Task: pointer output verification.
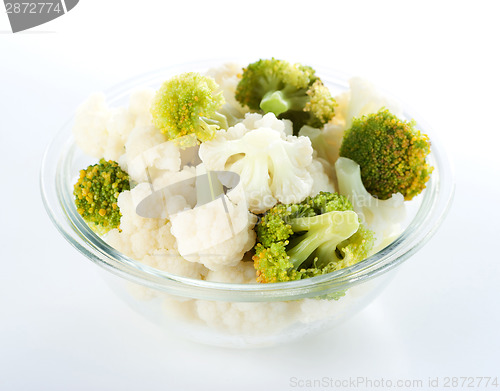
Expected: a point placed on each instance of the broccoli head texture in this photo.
(317, 236)
(391, 154)
(187, 105)
(290, 91)
(96, 195)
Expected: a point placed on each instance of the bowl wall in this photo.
(244, 324)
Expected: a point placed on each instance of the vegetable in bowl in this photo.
(317, 236)
(146, 244)
(391, 154)
(96, 195)
(187, 104)
(291, 91)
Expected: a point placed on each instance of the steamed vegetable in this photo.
(218, 231)
(384, 217)
(290, 91)
(391, 154)
(96, 195)
(317, 236)
(285, 176)
(187, 104)
(273, 166)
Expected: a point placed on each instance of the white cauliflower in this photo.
(241, 273)
(362, 98)
(90, 128)
(148, 239)
(255, 121)
(149, 154)
(260, 322)
(321, 180)
(139, 106)
(186, 310)
(247, 318)
(139, 235)
(272, 165)
(216, 233)
(384, 217)
(102, 132)
(226, 76)
(172, 262)
(326, 144)
(169, 193)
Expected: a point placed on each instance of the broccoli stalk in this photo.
(186, 106)
(322, 234)
(280, 101)
(289, 91)
(96, 195)
(317, 236)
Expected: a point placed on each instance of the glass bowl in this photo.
(227, 314)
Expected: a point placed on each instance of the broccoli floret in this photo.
(391, 154)
(317, 236)
(96, 195)
(290, 91)
(186, 105)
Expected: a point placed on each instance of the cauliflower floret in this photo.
(384, 217)
(177, 308)
(170, 261)
(314, 310)
(241, 273)
(118, 126)
(255, 121)
(187, 309)
(329, 140)
(321, 180)
(247, 318)
(217, 233)
(272, 165)
(139, 235)
(163, 256)
(149, 239)
(90, 129)
(149, 154)
(171, 193)
(167, 194)
(362, 98)
(102, 132)
(226, 76)
(140, 102)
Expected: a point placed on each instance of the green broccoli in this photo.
(391, 154)
(317, 236)
(96, 195)
(187, 104)
(290, 91)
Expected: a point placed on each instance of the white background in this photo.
(60, 326)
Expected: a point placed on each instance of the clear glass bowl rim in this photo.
(435, 204)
